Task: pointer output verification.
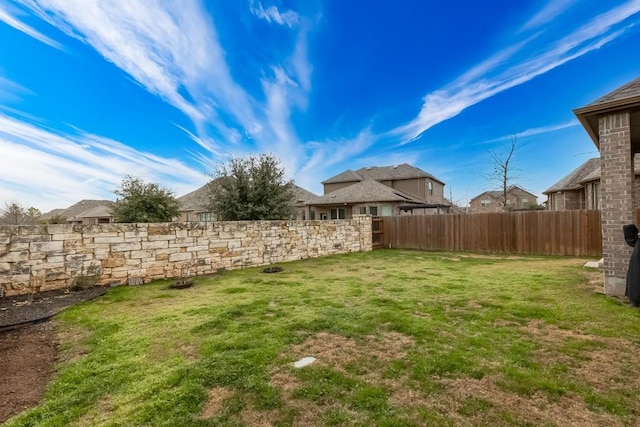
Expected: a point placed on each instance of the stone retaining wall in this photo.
(55, 256)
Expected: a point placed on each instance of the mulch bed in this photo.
(29, 347)
(15, 311)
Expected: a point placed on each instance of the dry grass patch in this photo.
(337, 351)
(215, 401)
(464, 400)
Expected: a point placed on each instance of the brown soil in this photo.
(29, 346)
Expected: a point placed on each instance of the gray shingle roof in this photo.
(381, 173)
(497, 194)
(628, 91)
(302, 196)
(626, 97)
(198, 200)
(573, 180)
(368, 190)
(75, 210)
(102, 211)
(346, 176)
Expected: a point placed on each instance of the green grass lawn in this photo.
(401, 338)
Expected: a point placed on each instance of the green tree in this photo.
(143, 202)
(12, 214)
(32, 215)
(251, 188)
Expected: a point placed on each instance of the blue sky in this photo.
(92, 90)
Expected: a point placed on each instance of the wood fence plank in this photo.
(576, 233)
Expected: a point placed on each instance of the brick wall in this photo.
(53, 256)
(617, 183)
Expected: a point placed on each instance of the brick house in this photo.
(379, 191)
(491, 201)
(580, 189)
(613, 123)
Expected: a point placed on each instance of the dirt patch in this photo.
(29, 346)
(28, 355)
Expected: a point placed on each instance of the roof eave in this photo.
(588, 115)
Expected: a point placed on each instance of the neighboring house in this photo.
(379, 191)
(301, 198)
(492, 201)
(84, 212)
(580, 189)
(196, 206)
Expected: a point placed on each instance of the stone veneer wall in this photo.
(54, 256)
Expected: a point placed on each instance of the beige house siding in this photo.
(420, 188)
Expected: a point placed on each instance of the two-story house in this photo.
(492, 201)
(379, 191)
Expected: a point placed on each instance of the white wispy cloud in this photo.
(62, 168)
(498, 74)
(9, 15)
(549, 12)
(272, 14)
(327, 153)
(169, 48)
(536, 131)
(173, 48)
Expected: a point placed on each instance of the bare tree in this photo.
(12, 214)
(502, 169)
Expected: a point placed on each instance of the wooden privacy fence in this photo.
(576, 233)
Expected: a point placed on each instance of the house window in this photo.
(484, 203)
(430, 187)
(338, 213)
(385, 211)
(525, 202)
(363, 210)
(206, 217)
(312, 214)
(373, 210)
